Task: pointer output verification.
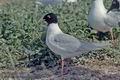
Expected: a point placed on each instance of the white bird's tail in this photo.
(94, 46)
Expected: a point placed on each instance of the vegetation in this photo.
(22, 32)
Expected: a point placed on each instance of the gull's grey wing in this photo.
(88, 46)
(112, 19)
(71, 44)
(66, 42)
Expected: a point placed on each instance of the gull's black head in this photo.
(114, 6)
(50, 18)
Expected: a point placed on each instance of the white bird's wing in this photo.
(71, 44)
(113, 19)
(66, 42)
(88, 46)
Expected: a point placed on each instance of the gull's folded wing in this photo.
(66, 42)
(71, 44)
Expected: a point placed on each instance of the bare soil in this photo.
(90, 71)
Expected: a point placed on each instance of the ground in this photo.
(3, 1)
(90, 71)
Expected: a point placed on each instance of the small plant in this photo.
(22, 30)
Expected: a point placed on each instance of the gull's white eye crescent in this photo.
(48, 16)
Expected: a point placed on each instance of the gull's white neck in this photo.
(53, 29)
(99, 7)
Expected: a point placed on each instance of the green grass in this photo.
(22, 29)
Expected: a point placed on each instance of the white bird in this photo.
(104, 20)
(70, 1)
(63, 44)
(50, 2)
(53, 2)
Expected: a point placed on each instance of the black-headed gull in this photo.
(104, 20)
(53, 2)
(66, 45)
(49, 2)
(70, 0)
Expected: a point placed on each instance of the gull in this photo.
(69, 1)
(104, 20)
(49, 2)
(53, 2)
(66, 45)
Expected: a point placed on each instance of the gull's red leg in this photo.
(62, 69)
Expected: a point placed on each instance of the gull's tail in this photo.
(102, 45)
(88, 46)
